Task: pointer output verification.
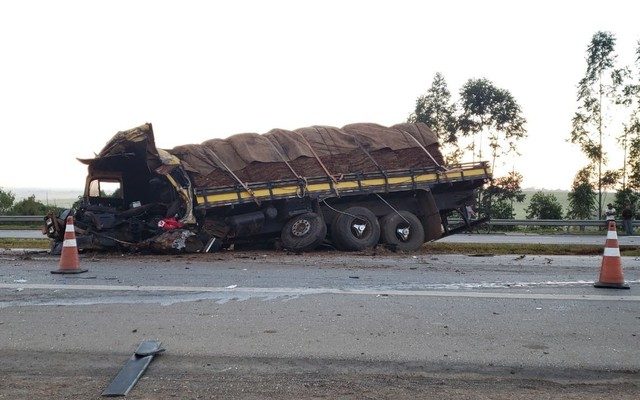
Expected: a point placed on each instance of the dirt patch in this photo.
(75, 375)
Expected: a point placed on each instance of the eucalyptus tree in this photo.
(630, 139)
(597, 90)
(487, 110)
(436, 109)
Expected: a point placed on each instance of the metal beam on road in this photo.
(323, 291)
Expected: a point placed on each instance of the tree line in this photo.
(28, 206)
(487, 117)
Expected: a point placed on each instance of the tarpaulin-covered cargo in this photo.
(309, 152)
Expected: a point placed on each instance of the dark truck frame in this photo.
(400, 208)
(428, 195)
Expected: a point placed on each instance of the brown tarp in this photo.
(354, 148)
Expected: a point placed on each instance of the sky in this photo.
(73, 73)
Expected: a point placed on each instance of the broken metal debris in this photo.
(133, 369)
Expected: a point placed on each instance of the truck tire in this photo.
(355, 229)
(400, 234)
(303, 232)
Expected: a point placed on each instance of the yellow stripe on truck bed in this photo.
(344, 185)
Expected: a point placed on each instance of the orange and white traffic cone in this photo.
(69, 259)
(611, 269)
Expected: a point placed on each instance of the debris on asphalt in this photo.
(80, 277)
(520, 257)
(133, 369)
(20, 281)
(354, 277)
(231, 287)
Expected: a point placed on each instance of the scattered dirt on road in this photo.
(53, 375)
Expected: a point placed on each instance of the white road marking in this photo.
(333, 291)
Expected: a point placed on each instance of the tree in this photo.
(624, 197)
(492, 111)
(595, 90)
(582, 198)
(436, 109)
(630, 139)
(29, 206)
(6, 200)
(544, 206)
(498, 198)
(633, 181)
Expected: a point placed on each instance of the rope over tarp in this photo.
(309, 152)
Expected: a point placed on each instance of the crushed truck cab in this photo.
(354, 187)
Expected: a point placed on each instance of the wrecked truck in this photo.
(352, 187)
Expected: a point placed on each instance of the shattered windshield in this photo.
(105, 188)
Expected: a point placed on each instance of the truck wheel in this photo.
(355, 229)
(303, 232)
(400, 234)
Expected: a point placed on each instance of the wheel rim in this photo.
(360, 228)
(403, 232)
(301, 227)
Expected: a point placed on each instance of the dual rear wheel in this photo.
(402, 231)
(357, 228)
(354, 229)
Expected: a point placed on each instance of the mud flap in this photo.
(431, 221)
(133, 369)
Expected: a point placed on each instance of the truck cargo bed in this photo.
(349, 184)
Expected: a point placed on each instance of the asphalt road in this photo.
(21, 234)
(515, 238)
(267, 324)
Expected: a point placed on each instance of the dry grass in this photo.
(533, 249)
(24, 243)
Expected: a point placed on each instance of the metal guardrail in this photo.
(550, 222)
(21, 218)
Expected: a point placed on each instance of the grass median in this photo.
(9, 243)
(530, 249)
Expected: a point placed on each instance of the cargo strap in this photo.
(382, 171)
(393, 208)
(335, 189)
(425, 150)
(301, 179)
(244, 185)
